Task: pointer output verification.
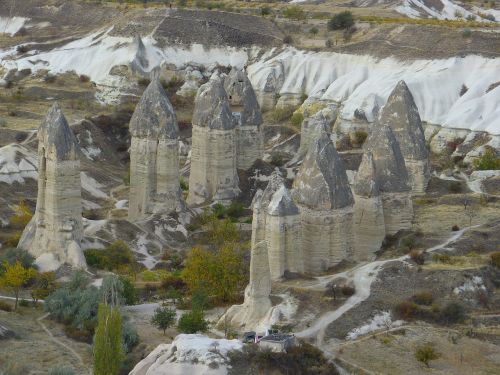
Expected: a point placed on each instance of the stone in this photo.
(213, 173)
(247, 115)
(401, 114)
(392, 178)
(311, 129)
(325, 201)
(56, 229)
(154, 156)
(368, 220)
(283, 232)
(257, 302)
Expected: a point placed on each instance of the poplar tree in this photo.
(108, 348)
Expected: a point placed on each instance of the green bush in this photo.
(495, 259)
(342, 20)
(313, 30)
(453, 313)
(192, 322)
(163, 318)
(295, 13)
(265, 11)
(359, 137)
(467, 33)
(406, 310)
(181, 3)
(111, 258)
(488, 161)
(13, 255)
(282, 114)
(297, 119)
(423, 298)
(426, 353)
(129, 291)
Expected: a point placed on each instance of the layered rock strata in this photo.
(369, 224)
(392, 179)
(154, 156)
(55, 232)
(248, 118)
(213, 173)
(401, 114)
(325, 201)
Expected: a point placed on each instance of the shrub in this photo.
(359, 137)
(417, 256)
(143, 81)
(453, 313)
(163, 318)
(83, 78)
(348, 290)
(265, 11)
(294, 12)
(297, 119)
(288, 39)
(111, 258)
(22, 49)
(313, 30)
(129, 291)
(184, 184)
(342, 20)
(406, 310)
(328, 43)
(3, 122)
(488, 161)
(61, 370)
(13, 240)
(282, 114)
(192, 322)
(5, 306)
(455, 187)
(495, 259)
(22, 216)
(425, 354)
(466, 33)
(181, 3)
(13, 255)
(423, 298)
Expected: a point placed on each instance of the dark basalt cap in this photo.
(401, 114)
(321, 182)
(55, 134)
(365, 183)
(390, 167)
(211, 107)
(154, 116)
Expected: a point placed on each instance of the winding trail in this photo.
(362, 277)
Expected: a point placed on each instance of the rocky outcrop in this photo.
(55, 232)
(311, 129)
(392, 179)
(283, 235)
(213, 173)
(154, 156)
(247, 115)
(257, 302)
(369, 225)
(401, 114)
(325, 201)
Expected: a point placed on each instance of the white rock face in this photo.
(188, 354)
(56, 230)
(311, 129)
(154, 156)
(17, 164)
(213, 173)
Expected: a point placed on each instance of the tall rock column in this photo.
(214, 147)
(54, 234)
(369, 225)
(248, 117)
(154, 156)
(401, 114)
(392, 179)
(283, 235)
(325, 201)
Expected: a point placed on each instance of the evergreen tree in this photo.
(108, 346)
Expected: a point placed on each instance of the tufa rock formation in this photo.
(154, 156)
(55, 232)
(311, 129)
(248, 118)
(369, 225)
(283, 235)
(392, 179)
(214, 150)
(325, 201)
(400, 113)
(257, 302)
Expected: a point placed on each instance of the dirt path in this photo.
(60, 343)
(362, 277)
